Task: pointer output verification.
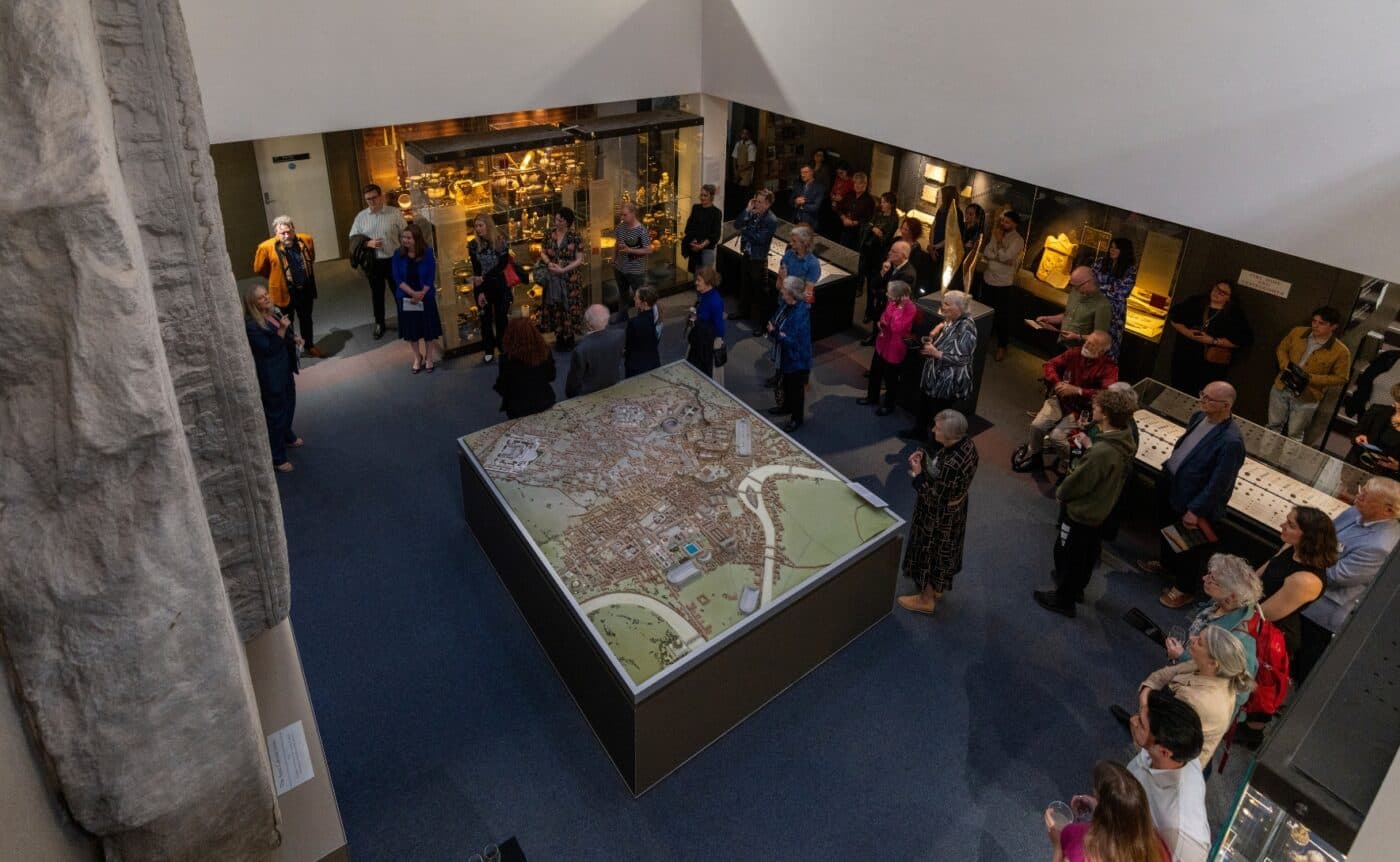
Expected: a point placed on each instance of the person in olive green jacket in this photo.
(1087, 497)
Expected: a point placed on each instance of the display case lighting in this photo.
(935, 173)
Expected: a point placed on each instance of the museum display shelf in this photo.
(833, 308)
(521, 177)
(681, 560)
(1278, 473)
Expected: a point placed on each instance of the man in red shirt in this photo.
(1072, 379)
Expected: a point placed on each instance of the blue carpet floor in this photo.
(446, 727)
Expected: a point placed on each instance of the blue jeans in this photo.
(1288, 414)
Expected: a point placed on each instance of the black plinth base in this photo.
(650, 735)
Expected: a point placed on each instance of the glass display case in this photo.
(1065, 232)
(653, 161)
(521, 177)
(1261, 831)
(1278, 474)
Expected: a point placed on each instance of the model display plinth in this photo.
(681, 560)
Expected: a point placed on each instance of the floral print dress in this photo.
(563, 294)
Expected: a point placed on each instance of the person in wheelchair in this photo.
(1071, 380)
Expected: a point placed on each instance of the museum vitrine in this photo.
(1278, 474)
(521, 177)
(1065, 231)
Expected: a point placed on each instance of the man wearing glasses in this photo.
(1194, 487)
(1086, 309)
(380, 226)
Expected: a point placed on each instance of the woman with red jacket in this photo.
(894, 327)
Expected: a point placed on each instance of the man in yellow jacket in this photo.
(1324, 362)
(287, 261)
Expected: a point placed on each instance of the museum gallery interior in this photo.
(735, 429)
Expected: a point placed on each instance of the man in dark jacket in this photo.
(1195, 486)
(1087, 497)
(597, 358)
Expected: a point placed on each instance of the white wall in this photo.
(1277, 123)
(269, 67)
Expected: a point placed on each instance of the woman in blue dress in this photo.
(275, 358)
(415, 272)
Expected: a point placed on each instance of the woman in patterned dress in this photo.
(1116, 276)
(939, 522)
(563, 294)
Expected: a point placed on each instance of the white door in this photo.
(295, 182)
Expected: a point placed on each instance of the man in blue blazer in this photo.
(1195, 486)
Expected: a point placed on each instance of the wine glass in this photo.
(1177, 633)
(491, 853)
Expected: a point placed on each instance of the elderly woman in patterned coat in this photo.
(939, 523)
(947, 374)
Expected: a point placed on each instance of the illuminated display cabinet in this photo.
(521, 177)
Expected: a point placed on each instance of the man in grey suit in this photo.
(597, 358)
(1367, 533)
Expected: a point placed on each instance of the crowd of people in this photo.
(1259, 628)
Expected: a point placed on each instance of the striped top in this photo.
(632, 237)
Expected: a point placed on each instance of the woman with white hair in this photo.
(939, 523)
(799, 261)
(1213, 682)
(791, 329)
(947, 374)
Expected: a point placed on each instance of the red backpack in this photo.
(1271, 678)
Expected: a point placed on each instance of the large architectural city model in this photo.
(671, 512)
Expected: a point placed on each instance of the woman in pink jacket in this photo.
(895, 325)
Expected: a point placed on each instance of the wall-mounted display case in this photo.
(1065, 231)
(522, 177)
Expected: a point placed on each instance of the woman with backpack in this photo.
(1292, 579)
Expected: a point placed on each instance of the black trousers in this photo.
(1076, 552)
(1310, 648)
(495, 315)
(882, 372)
(626, 286)
(875, 297)
(379, 276)
(1002, 299)
(753, 290)
(299, 312)
(1184, 569)
(795, 393)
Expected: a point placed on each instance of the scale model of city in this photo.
(671, 512)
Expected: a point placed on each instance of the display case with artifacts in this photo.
(652, 160)
(832, 308)
(521, 177)
(518, 178)
(1065, 232)
(1279, 473)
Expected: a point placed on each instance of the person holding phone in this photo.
(275, 359)
(1376, 446)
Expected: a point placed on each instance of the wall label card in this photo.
(1264, 284)
(290, 758)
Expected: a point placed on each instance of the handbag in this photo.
(721, 356)
(512, 273)
(1217, 355)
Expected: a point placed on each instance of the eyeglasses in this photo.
(1078, 283)
(1204, 397)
